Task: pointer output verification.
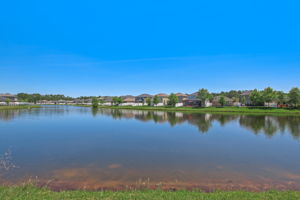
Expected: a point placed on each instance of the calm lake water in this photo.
(77, 147)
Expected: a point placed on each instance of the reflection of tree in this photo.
(174, 119)
(254, 123)
(94, 111)
(7, 115)
(224, 119)
(269, 125)
(201, 121)
(116, 114)
(293, 125)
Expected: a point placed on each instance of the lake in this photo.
(67, 147)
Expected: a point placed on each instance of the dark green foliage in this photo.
(222, 101)
(156, 100)
(37, 97)
(173, 99)
(149, 101)
(7, 101)
(281, 97)
(256, 98)
(203, 96)
(117, 100)
(268, 95)
(294, 96)
(95, 102)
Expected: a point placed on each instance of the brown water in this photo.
(68, 147)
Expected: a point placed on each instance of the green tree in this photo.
(115, 100)
(256, 98)
(203, 96)
(95, 102)
(156, 100)
(244, 100)
(101, 101)
(269, 95)
(281, 97)
(7, 100)
(222, 101)
(149, 101)
(173, 100)
(294, 96)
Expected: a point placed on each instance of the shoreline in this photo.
(221, 110)
(18, 107)
(29, 192)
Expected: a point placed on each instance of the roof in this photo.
(162, 95)
(129, 99)
(107, 98)
(193, 94)
(127, 96)
(7, 95)
(145, 95)
(246, 93)
(180, 94)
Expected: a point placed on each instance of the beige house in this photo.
(216, 101)
(7, 96)
(164, 98)
(128, 99)
(181, 97)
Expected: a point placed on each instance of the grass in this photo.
(18, 107)
(238, 110)
(29, 192)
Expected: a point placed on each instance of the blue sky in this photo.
(131, 47)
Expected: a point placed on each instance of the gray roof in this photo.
(145, 95)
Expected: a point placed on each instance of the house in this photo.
(142, 98)
(181, 97)
(216, 101)
(164, 99)
(246, 96)
(128, 99)
(107, 100)
(192, 100)
(7, 96)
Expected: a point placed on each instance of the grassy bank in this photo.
(18, 107)
(34, 193)
(238, 110)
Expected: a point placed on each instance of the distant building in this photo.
(128, 99)
(246, 95)
(216, 101)
(164, 98)
(142, 98)
(7, 96)
(192, 100)
(181, 97)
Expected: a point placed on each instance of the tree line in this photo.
(34, 98)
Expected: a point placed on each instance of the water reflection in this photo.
(47, 111)
(268, 125)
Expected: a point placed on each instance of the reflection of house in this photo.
(163, 98)
(142, 98)
(181, 97)
(246, 96)
(10, 97)
(216, 101)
